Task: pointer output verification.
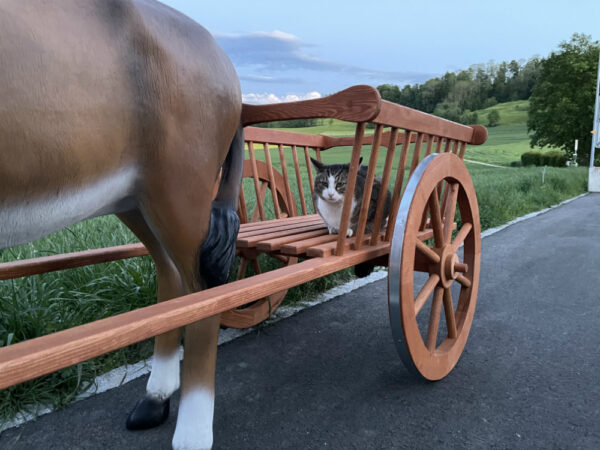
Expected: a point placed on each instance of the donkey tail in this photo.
(218, 249)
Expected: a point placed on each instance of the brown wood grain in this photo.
(34, 266)
(30, 359)
(356, 104)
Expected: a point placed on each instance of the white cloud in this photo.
(261, 99)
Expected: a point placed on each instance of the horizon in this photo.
(285, 53)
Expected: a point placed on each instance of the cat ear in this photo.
(317, 164)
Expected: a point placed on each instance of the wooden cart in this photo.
(430, 241)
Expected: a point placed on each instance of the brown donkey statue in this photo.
(127, 107)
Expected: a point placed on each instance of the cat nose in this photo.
(330, 195)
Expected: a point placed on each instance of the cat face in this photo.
(331, 181)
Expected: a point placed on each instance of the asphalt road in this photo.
(330, 377)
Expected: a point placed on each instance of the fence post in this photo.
(594, 172)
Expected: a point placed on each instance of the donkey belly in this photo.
(32, 219)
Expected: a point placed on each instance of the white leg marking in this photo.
(195, 421)
(164, 378)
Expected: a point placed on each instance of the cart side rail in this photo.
(397, 128)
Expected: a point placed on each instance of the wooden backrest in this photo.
(396, 129)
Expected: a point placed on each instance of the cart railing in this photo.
(394, 126)
(359, 104)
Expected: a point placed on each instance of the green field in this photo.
(38, 305)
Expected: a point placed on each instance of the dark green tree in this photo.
(561, 105)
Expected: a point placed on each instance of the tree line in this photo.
(455, 96)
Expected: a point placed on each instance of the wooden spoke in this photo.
(460, 237)
(460, 267)
(464, 281)
(450, 209)
(436, 219)
(426, 251)
(434, 319)
(449, 312)
(425, 292)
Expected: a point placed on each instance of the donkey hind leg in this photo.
(153, 409)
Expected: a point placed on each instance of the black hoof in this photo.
(363, 269)
(148, 413)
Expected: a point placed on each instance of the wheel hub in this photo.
(446, 268)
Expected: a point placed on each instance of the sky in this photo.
(284, 51)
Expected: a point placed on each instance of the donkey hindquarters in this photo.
(125, 107)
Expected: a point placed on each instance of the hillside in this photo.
(511, 113)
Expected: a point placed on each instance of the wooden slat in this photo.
(416, 153)
(34, 266)
(387, 170)
(272, 245)
(253, 226)
(271, 180)
(440, 143)
(288, 191)
(348, 197)
(463, 147)
(328, 248)
(284, 226)
(429, 145)
(398, 186)
(259, 204)
(311, 181)
(299, 247)
(256, 214)
(251, 241)
(355, 104)
(242, 207)
(368, 187)
(30, 359)
(299, 179)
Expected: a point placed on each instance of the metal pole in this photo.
(596, 128)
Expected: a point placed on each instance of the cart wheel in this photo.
(434, 256)
(249, 315)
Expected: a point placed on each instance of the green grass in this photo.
(511, 113)
(38, 305)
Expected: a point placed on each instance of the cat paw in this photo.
(349, 233)
(332, 230)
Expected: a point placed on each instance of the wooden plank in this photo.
(34, 266)
(352, 172)
(355, 104)
(311, 181)
(259, 203)
(251, 241)
(328, 248)
(251, 226)
(299, 179)
(387, 170)
(400, 116)
(272, 245)
(368, 187)
(271, 180)
(288, 191)
(396, 197)
(30, 359)
(299, 247)
(282, 227)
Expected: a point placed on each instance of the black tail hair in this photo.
(217, 252)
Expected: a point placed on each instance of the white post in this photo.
(594, 172)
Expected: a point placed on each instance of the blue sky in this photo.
(291, 50)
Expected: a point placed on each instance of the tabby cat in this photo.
(329, 192)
